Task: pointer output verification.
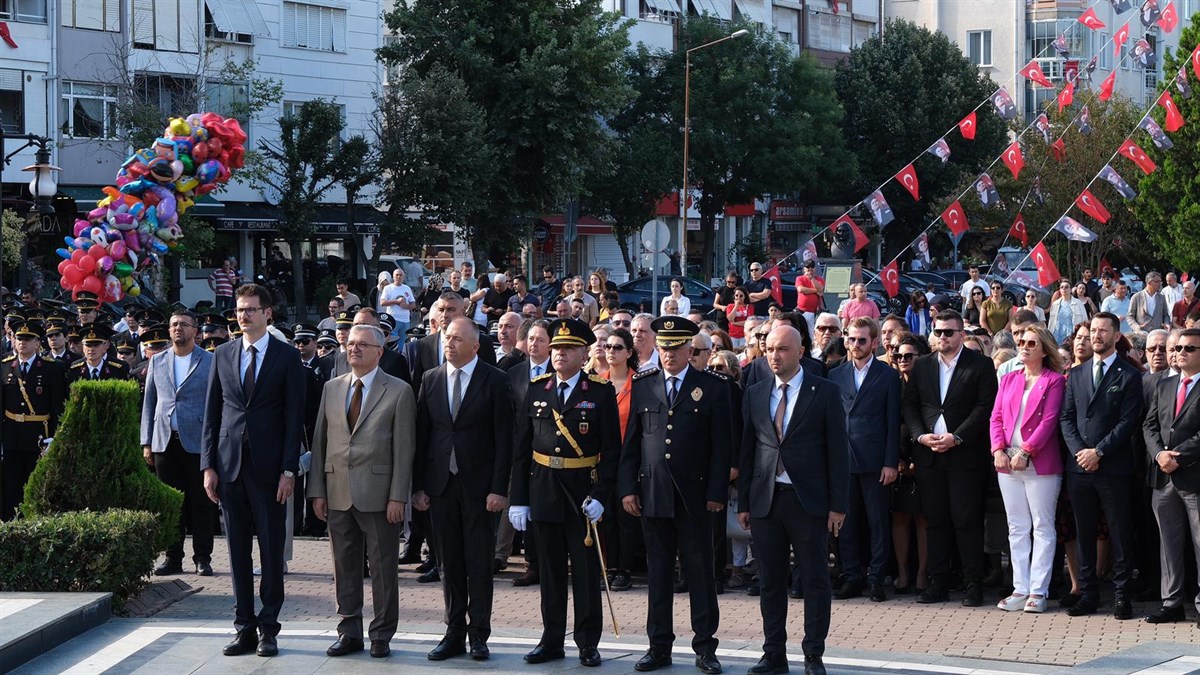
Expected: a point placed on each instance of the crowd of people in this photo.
(823, 455)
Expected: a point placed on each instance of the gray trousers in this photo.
(1178, 516)
(348, 531)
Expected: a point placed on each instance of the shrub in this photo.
(95, 462)
(82, 551)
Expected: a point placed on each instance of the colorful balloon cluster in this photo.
(138, 220)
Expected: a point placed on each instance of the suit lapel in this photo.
(804, 398)
(341, 386)
(378, 387)
(473, 386)
(660, 387)
(1035, 398)
(170, 364)
(868, 381)
(1104, 381)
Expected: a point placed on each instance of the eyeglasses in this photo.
(620, 324)
(1156, 349)
(302, 342)
(856, 341)
(361, 345)
(944, 332)
(905, 356)
(976, 292)
(699, 350)
(755, 269)
(891, 348)
(247, 311)
(1186, 348)
(614, 348)
(997, 288)
(182, 324)
(828, 329)
(1028, 344)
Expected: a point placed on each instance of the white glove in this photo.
(305, 462)
(519, 517)
(592, 509)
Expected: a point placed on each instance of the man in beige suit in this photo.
(363, 450)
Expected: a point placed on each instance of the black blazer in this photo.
(272, 421)
(1166, 431)
(872, 416)
(1105, 418)
(968, 409)
(422, 355)
(759, 370)
(682, 448)
(481, 433)
(517, 356)
(1155, 478)
(815, 450)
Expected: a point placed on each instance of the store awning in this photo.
(330, 218)
(756, 11)
(237, 16)
(664, 6)
(586, 224)
(722, 9)
(86, 197)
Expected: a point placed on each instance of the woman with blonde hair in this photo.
(597, 284)
(597, 363)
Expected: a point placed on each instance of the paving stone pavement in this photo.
(898, 627)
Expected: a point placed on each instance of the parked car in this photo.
(940, 283)
(637, 294)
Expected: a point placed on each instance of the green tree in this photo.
(898, 90)
(544, 77)
(12, 236)
(300, 168)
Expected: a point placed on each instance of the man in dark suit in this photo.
(250, 454)
(465, 430)
(871, 399)
(35, 392)
(565, 463)
(760, 370)
(428, 352)
(947, 406)
(1101, 412)
(792, 488)
(1172, 428)
(674, 472)
(507, 354)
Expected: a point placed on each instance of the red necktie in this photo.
(1182, 395)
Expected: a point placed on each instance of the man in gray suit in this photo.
(1149, 309)
(362, 461)
(172, 424)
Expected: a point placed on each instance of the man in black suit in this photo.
(947, 406)
(674, 472)
(1101, 412)
(871, 399)
(465, 427)
(1172, 428)
(250, 454)
(760, 370)
(428, 352)
(507, 354)
(792, 488)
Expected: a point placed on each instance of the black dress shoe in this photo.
(754, 588)
(589, 657)
(168, 568)
(380, 649)
(770, 664)
(267, 646)
(344, 646)
(621, 582)
(876, 593)
(850, 589)
(530, 578)
(1122, 609)
(903, 590)
(796, 592)
(972, 596)
(681, 586)
(410, 557)
(1084, 606)
(244, 643)
(1069, 600)
(203, 569)
(541, 654)
(813, 665)
(479, 650)
(499, 566)
(933, 594)
(430, 576)
(653, 660)
(1165, 615)
(448, 647)
(426, 566)
(708, 663)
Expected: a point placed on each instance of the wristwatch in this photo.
(957, 439)
(289, 474)
(1099, 452)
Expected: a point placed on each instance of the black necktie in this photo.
(24, 369)
(248, 380)
(672, 391)
(562, 395)
(95, 373)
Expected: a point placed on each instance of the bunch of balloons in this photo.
(138, 219)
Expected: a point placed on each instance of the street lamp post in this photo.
(42, 187)
(687, 125)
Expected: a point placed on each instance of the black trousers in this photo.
(16, 468)
(691, 535)
(1092, 495)
(786, 527)
(622, 537)
(556, 543)
(868, 513)
(466, 544)
(251, 509)
(953, 501)
(181, 470)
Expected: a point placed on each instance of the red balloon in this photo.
(77, 255)
(91, 284)
(64, 283)
(62, 266)
(97, 251)
(87, 264)
(73, 275)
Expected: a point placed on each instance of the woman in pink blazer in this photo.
(1025, 452)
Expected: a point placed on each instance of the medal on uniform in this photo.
(583, 428)
(697, 393)
(39, 391)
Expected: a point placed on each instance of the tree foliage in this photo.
(543, 78)
(12, 236)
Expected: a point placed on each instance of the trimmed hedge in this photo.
(95, 462)
(110, 552)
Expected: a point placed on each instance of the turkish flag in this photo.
(955, 218)
(1047, 270)
(6, 35)
(1092, 206)
(1059, 150)
(891, 279)
(776, 284)
(1090, 19)
(1169, 19)
(1106, 266)
(908, 178)
(1106, 87)
(1067, 96)
(1119, 40)
(967, 126)
(1132, 151)
(1196, 60)
(1183, 278)
(1174, 118)
(1014, 160)
(1018, 230)
(1033, 72)
(860, 238)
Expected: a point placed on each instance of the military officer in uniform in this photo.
(34, 394)
(154, 340)
(674, 471)
(95, 364)
(88, 304)
(56, 344)
(565, 462)
(128, 348)
(210, 344)
(213, 325)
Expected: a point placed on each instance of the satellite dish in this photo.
(656, 236)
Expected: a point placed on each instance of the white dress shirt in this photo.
(945, 373)
(570, 385)
(466, 372)
(678, 382)
(794, 385)
(261, 346)
(367, 381)
(536, 369)
(860, 374)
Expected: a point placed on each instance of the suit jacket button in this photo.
(667, 456)
(669, 427)
(558, 433)
(670, 413)
(558, 449)
(668, 441)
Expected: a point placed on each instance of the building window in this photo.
(212, 32)
(1125, 57)
(26, 11)
(88, 110)
(1104, 62)
(979, 47)
(313, 27)
(292, 108)
(228, 99)
(166, 26)
(391, 71)
(168, 93)
(92, 15)
(12, 102)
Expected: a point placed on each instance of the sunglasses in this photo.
(997, 288)
(1186, 348)
(944, 332)
(614, 348)
(905, 356)
(976, 292)
(1156, 349)
(302, 342)
(760, 336)
(856, 341)
(828, 329)
(718, 367)
(755, 269)
(1028, 344)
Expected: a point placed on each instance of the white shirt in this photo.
(466, 372)
(794, 385)
(570, 385)
(861, 374)
(678, 382)
(183, 364)
(367, 381)
(685, 305)
(1172, 295)
(965, 291)
(394, 292)
(536, 369)
(1152, 303)
(651, 362)
(261, 346)
(945, 372)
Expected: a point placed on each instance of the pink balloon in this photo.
(87, 264)
(97, 252)
(77, 255)
(91, 284)
(82, 226)
(117, 249)
(105, 265)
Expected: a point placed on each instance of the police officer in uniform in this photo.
(95, 364)
(34, 394)
(155, 339)
(674, 471)
(565, 462)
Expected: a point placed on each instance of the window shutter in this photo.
(166, 13)
(339, 30)
(89, 14)
(112, 16)
(143, 22)
(287, 24)
(10, 80)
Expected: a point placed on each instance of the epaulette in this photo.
(79, 364)
(645, 373)
(597, 379)
(119, 365)
(8, 358)
(720, 376)
(543, 376)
